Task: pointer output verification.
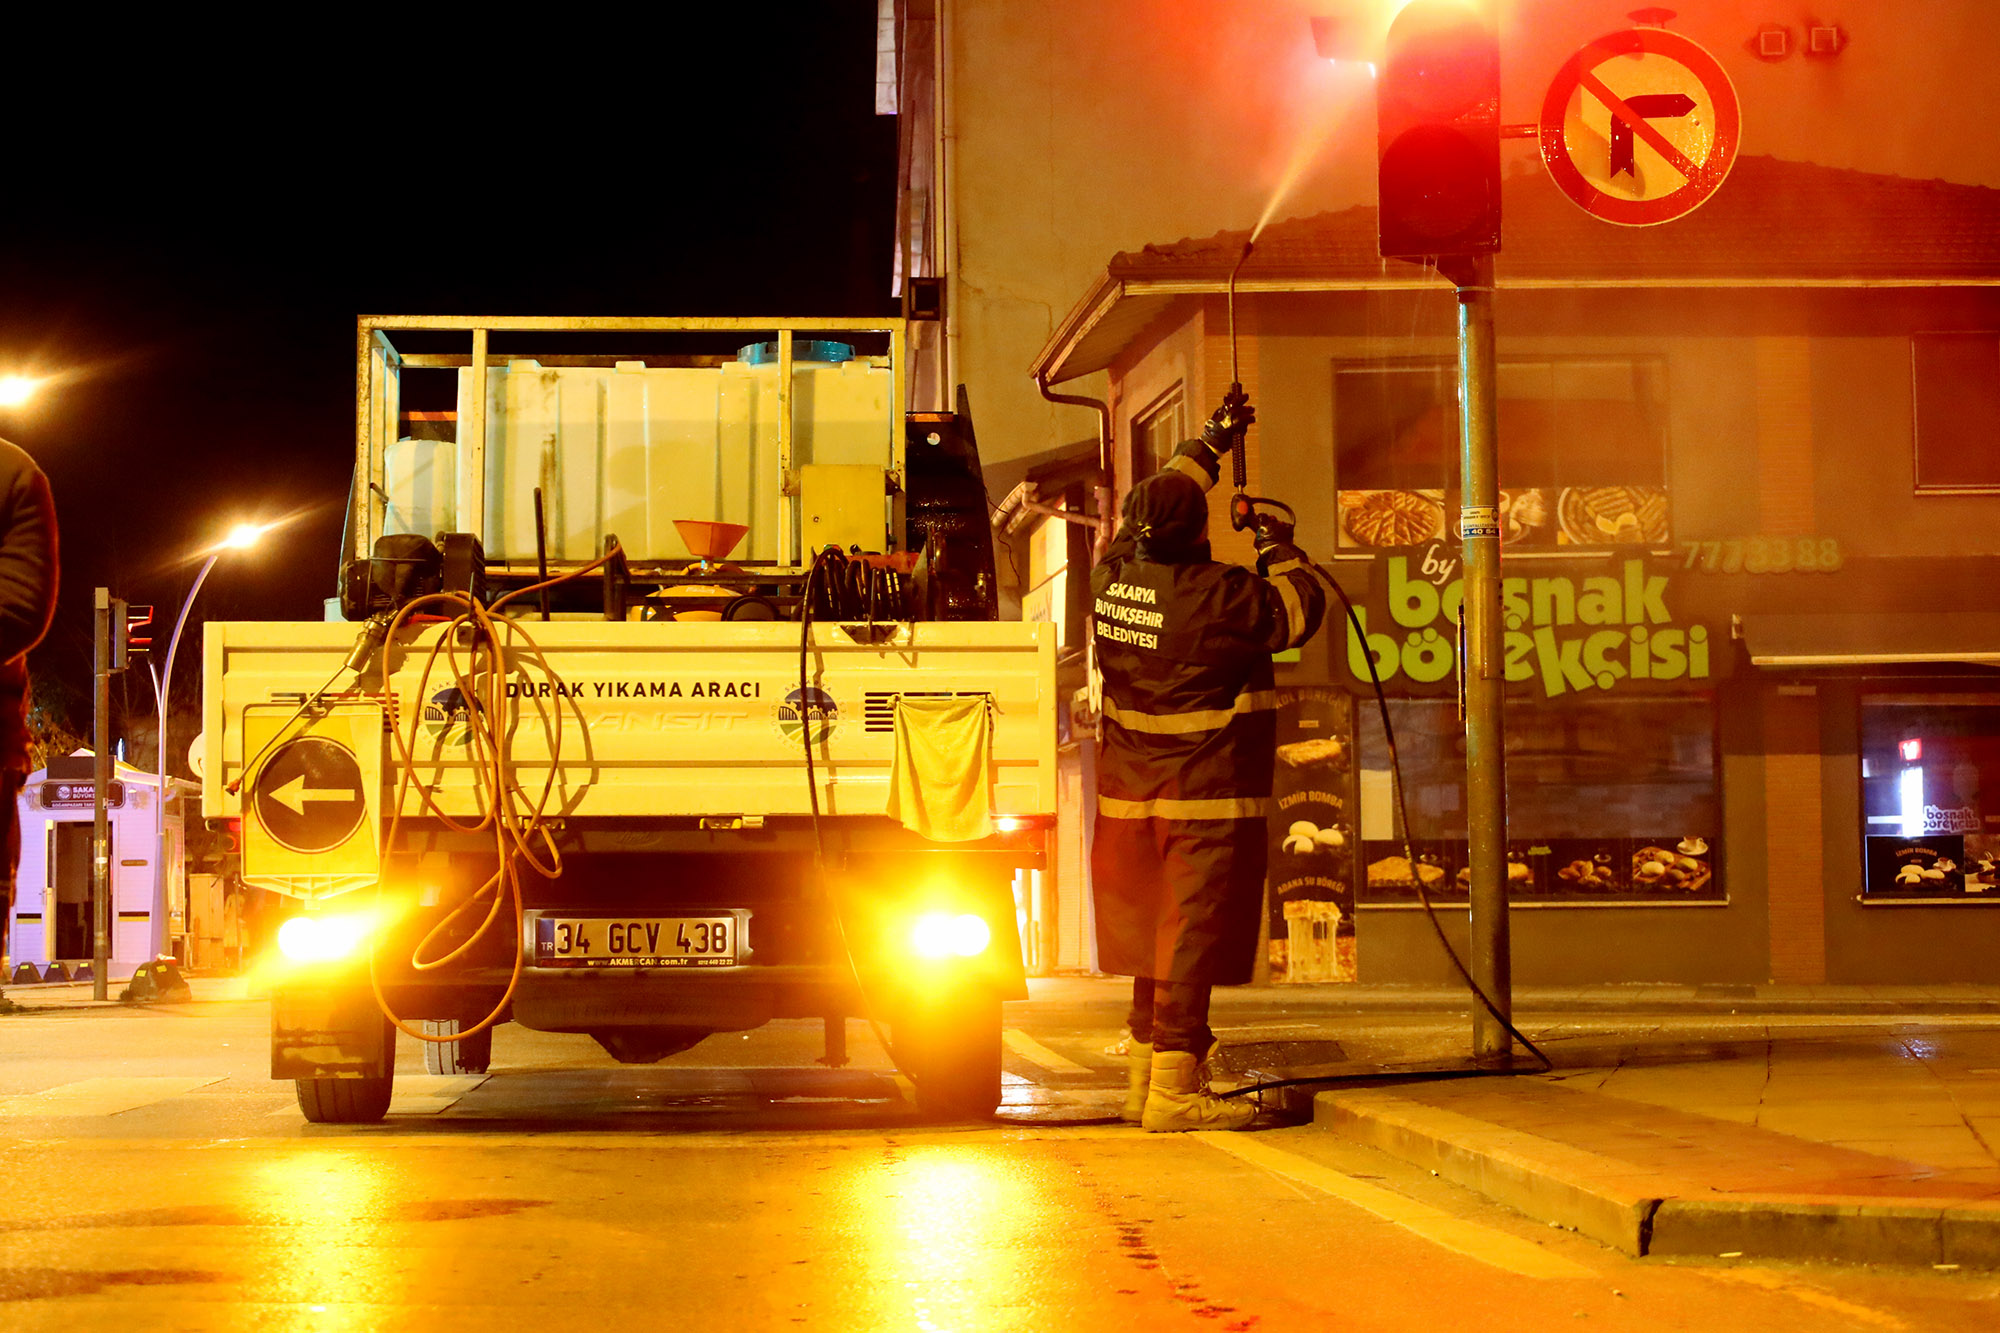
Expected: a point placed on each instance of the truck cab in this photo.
(663, 695)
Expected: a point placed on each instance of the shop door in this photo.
(69, 875)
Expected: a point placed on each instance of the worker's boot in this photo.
(1179, 1099)
(1138, 1075)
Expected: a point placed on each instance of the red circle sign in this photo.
(1640, 127)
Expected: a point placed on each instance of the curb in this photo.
(1644, 1212)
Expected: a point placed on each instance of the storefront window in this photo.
(1609, 800)
(1930, 795)
(1584, 466)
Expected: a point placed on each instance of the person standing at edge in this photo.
(1184, 645)
(27, 605)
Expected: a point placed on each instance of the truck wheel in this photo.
(468, 1055)
(951, 1051)
(344, 1101)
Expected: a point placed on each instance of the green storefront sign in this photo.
(1610, 629)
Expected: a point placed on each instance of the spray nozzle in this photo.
(1245, 512)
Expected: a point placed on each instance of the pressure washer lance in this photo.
(1243, 507)
(1239, 466)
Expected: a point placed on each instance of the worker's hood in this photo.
(1168, 513)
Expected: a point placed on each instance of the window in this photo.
(1157, 430)
(1611, 800)
(1956, 391)
(1930, 770)
(1582, 452)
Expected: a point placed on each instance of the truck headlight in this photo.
(945, 935)
(322, 939)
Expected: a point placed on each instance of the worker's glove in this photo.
(1226, 426)
(1273, 541)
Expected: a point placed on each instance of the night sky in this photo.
(188, 235)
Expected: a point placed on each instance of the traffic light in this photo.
(1437, 108)
(131, 631)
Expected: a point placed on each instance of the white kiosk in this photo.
(52, 891)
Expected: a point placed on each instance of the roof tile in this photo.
(1772, 219)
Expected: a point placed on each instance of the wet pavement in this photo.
(156, 1179)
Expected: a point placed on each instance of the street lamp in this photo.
(241, 538)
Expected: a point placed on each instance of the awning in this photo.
(1856, 639)
(1092, 335)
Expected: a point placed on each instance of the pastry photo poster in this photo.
(1313, 838)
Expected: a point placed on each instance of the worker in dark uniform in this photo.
(1184, 646)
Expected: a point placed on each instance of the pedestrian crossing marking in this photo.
(98, 1096)
(1025, 1046)
(1470, 1239)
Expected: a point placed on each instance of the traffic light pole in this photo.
(100, 844)
(1483, 665)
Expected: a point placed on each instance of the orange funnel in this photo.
(709, 541)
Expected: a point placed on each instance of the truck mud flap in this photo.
(330, 1034)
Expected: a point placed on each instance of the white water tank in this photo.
(421, 477)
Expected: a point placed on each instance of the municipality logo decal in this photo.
(448, 716)
(811, 708)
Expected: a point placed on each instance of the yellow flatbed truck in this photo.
(601, 735)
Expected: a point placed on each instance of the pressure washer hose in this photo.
(1403, 818)
(516, 821)
(826, 556)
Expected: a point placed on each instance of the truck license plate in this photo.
(666, 941)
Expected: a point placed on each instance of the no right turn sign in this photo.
(1640, 127)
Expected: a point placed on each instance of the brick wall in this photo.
(1794, 850)
(1784, 437)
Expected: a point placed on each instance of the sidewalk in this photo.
(1857, 1123)
(1867, 1142)
(1621, 997)
(77, 994)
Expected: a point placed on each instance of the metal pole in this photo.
(100, 845)
(1485, 748)
(162, 689)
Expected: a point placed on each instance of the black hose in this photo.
(825, 557)
(1403, 818)
(1364, 1076)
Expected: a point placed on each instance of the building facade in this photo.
(1040, 138)
(1750, 472)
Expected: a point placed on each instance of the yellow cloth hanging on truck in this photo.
(941, 786)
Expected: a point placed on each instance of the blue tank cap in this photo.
(803, 349)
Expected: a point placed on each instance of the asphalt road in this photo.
(154, 1178)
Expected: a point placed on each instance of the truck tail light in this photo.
(323, 939)
(948, 935)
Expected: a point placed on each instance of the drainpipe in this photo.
(1101, 493)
